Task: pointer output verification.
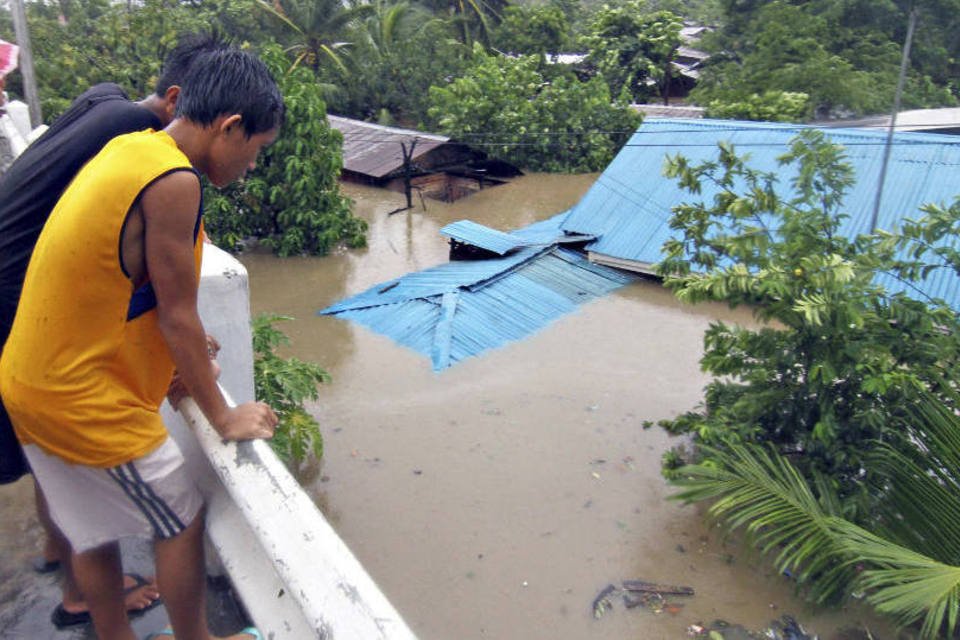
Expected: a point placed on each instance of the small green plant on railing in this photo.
(286, 384)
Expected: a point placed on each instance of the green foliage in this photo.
(471, 20)
(402, 51)
(837, 356)
(533, 30)
(78, 44)
(631, 48)
(845, 54)
(506, 103)
(292, 200)
(904, 556)
(769, 106)
(752, 488)
(316, 28)
(286, 384)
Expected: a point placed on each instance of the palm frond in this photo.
(765, 495)
(279, 15)
(905, 584)
(921, 483)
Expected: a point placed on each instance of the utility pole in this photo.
(904, 61)
(22, 33)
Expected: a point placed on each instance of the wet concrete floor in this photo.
(497, 498)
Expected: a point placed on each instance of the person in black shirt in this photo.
(29, 190)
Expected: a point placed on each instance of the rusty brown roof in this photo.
(374, 150)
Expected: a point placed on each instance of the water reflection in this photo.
(496, 498)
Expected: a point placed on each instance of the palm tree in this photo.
(907, 560)
(319, 27)
(472, 19)
(388, 24)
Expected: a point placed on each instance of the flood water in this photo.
(495, 499)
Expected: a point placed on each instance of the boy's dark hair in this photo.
(228, 81)
(178, 61)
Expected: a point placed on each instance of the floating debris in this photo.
(603, 601)
(640, 593)
(653, 587)
(785, 628)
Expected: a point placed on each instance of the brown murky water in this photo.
(496, 499)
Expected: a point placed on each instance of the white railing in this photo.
(296, 577)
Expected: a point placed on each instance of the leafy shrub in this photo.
(292, 201)
(286, 384)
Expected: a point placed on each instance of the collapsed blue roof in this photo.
(629, 206)
(462, 308)
(478, 235)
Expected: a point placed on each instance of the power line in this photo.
(493, 140)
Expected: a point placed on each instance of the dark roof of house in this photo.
(377, 151)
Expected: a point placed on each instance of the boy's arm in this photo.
(170, 208)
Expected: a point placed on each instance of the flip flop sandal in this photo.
(42, 565)
(168, 632)
(63, 619)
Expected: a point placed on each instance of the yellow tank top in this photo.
(85, 367)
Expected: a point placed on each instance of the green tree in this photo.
(292, 200)
(535, 30)
(845, 54)
(837, 355)
(770, 106)
(632, 50)
(78, 44)
(404, 50)
(506, 105)
(472, 20)
(318, 28)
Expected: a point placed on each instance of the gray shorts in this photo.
(152, 496)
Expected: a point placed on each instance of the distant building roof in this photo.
(945, 120)
(669, 111)
(629, 207)
(375, 150)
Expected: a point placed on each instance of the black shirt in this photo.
(29, 190)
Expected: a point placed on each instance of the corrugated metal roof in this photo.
(460, 309)
(478, 235)
(945, 120)
(375, 150)
(629, 206)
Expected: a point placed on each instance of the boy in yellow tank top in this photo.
(108, 311)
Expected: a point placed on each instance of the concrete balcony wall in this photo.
(295, 576)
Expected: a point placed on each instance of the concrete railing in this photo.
(297, 579)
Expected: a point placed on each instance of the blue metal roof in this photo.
(629, 206)
(478, 235)
(460, 309)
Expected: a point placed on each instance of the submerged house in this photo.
(527, 279)
(433, 165)
(503, 286)
(628, 209)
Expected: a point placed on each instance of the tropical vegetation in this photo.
(829, 430)
(286, 384)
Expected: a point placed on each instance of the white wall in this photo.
(296, 578)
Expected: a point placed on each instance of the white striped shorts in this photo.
(152, 496)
